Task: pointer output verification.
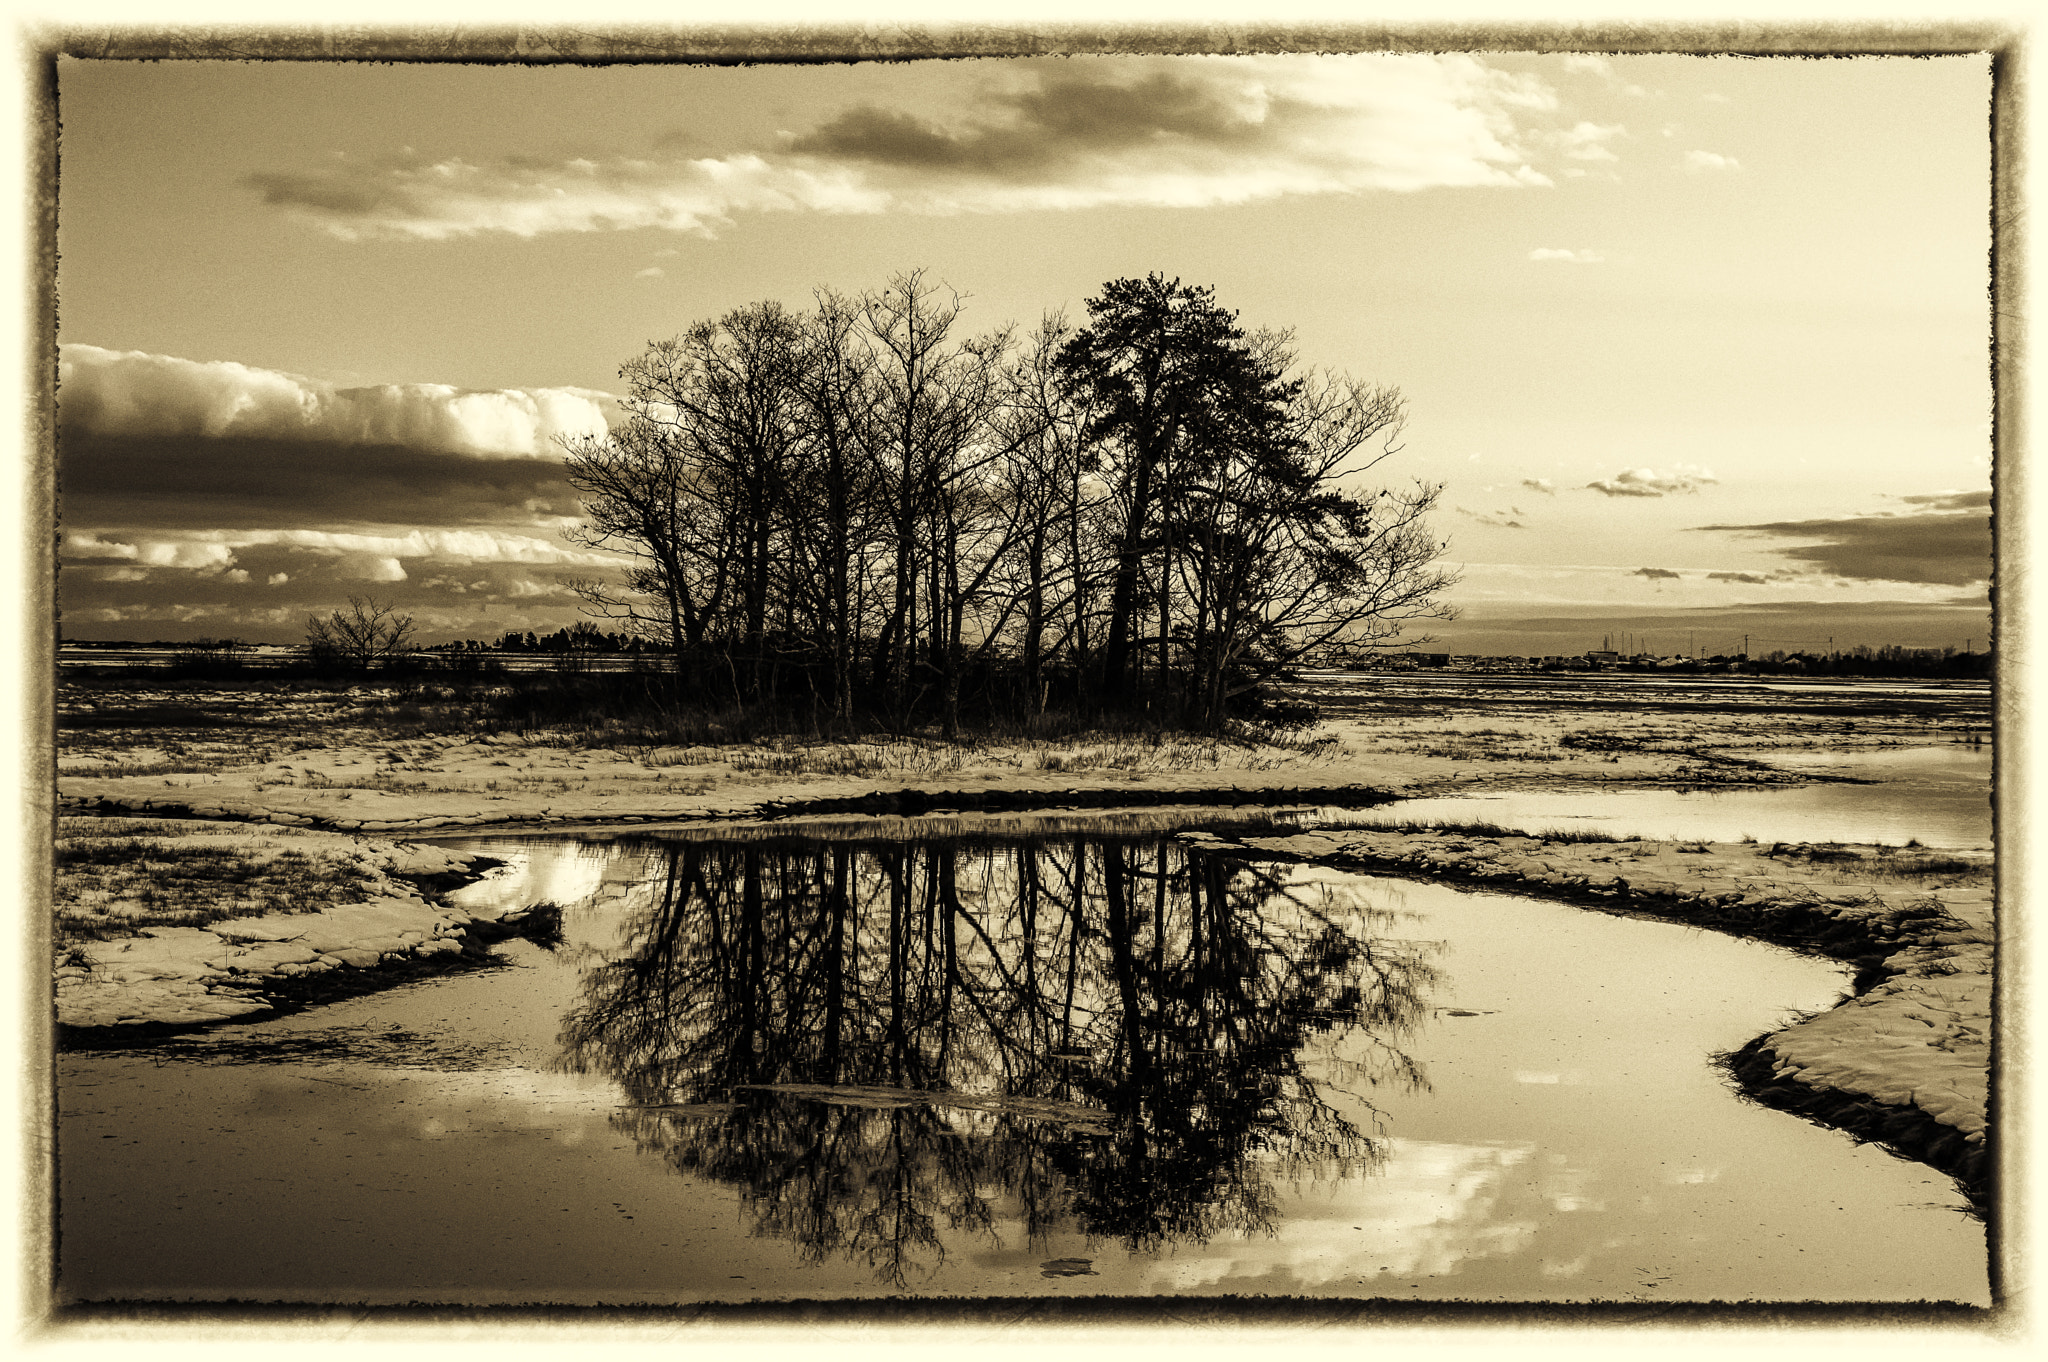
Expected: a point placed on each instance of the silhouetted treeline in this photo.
(861, 510)
(1891, 660)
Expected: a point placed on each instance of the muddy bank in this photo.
(1759, 1072)
(1903, 1062)
(133, 965)
(909, 803)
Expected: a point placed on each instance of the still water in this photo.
(1940, 795)
(789, 1068)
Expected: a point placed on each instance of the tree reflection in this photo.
(880, 1042)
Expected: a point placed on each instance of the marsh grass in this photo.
(116, 770)
(1445, 827)
(1910, 862)
(115, 885)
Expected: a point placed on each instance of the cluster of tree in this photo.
(862, 509)
(1889, 660)
(368, 632)
(1892, 660)
(581, 637)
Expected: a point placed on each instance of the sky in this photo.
(1697, 346)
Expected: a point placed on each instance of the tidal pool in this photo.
(800, 1067)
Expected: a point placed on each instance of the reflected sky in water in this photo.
(796, 1068)
(1938, 795)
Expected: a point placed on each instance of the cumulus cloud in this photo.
(1656, 574)
(1068, 134)
(1573, 257)
(1941, 547)
(379, 552)
(1699, 161)
(86, 545)
(1648, 482)
(130, 393)
(651, 272)
(1543, 485)
(277, 579)
(206, 557)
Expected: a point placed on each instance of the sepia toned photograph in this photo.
(745, 675)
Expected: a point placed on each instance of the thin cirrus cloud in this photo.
(1081, 133)
(1946, 546)
(1586, 141)
(1698, 162)
(1569, 256)
(1648, 482)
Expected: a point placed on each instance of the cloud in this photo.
(1945, 547)
(1587, 64)
(1495, 518)
(1575, 257)
(148, 442)
(130, 393)
(1698, 161)
(651, 272)
(1656, 574)
(1067, 134)
(374, 552)
(139, 484)
(1749, 578)
(1647, 482)
(1588, 141)
(1543, 485)
(186, 489)
(1951, 501)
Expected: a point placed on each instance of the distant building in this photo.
(1602, 655)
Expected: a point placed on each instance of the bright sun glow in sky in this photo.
(1697, 345)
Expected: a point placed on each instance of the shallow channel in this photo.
(788, 1068)
(1939, 795)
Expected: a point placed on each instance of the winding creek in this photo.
(994, 1058)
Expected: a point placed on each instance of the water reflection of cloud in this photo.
(1434, 1207)
(565, 874)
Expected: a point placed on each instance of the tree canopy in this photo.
(865, 510)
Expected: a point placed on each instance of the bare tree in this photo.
(366, 633)
(641, 498)
(933, 402)
(1281, 560)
